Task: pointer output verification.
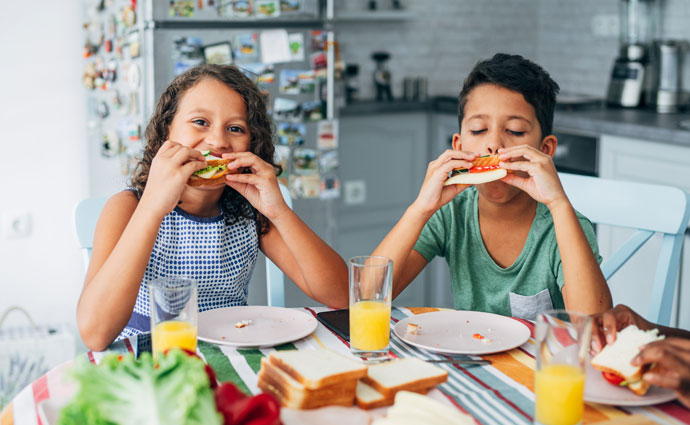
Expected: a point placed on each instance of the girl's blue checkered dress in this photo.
(220, 257)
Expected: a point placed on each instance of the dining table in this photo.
(501, 392)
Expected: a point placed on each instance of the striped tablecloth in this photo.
(500, 393)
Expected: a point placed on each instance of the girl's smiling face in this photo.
(211, 116)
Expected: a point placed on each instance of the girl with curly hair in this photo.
(162, 226)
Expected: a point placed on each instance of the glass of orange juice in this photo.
(174, 310)
(563, 339)
(371, 281)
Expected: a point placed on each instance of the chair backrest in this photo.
(275, 279)
(86, 215)
(648, 208)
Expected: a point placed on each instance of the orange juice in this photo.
(369, 325)
(173, 333)
(559, 389)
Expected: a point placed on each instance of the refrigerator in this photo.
(134, 48)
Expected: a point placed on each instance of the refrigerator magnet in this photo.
(291, 133)
(296, 41)
(328, 161)
(305, 161)
(312, 110)
(267, 8)
(282, 158)
(275, 47)
(304, 186)
(218, 53)
(133, 76)
(330, 187)
(261, 73)
(182, 8)
(327, 134)
(246, 47)
(134, 45)
(285, 109)
(289, 6)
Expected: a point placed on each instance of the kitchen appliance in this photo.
(382, 76)
(137, 48)
(665, 88)
(638, 24)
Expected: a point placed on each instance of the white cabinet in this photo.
(648, 162)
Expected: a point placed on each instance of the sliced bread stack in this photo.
(384, 380)
(307, 379)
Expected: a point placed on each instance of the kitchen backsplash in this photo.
(443, 39)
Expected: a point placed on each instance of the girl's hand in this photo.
(170, 169)
(433, 195)
(541, 181)
(260, 187)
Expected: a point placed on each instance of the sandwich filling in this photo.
(214, 169)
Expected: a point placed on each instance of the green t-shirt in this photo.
(531, 284)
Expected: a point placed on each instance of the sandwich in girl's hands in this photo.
(216, 168)
(484, 169)
(614, 359)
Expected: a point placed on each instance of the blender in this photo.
(638, 26)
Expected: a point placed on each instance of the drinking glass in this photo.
(371, 281)
(174, 308)
(562, 347)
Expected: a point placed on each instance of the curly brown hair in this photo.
(260, 125)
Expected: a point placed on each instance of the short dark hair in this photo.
(518, 74)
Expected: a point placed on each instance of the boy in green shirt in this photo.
(515, 246)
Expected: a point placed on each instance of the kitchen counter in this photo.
(634, 123)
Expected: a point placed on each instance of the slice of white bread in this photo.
(294, 390)
(304, 401)
(616, 357)
(317, 368)
(408, 374)
(368, 398)
(477, 178)
(414, 409)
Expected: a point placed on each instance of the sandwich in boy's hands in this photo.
(484, 169)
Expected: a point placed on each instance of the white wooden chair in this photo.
(649, 209)
(86, 214)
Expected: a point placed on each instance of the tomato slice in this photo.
(612, 378)
(483, 168)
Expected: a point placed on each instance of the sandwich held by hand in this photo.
(614, 359)
(212, 174)
(484, 169)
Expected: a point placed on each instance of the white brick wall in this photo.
(447, 37)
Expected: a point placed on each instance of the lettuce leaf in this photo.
(175, 390)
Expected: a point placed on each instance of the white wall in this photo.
(43, 171)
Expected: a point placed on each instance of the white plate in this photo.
(49, 411)
(269, 326)
(452, 332)
(597, 390)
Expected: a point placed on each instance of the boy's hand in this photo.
(433, 195)
(170, 169)
(536, 173)
(672, 359)
(606, 325)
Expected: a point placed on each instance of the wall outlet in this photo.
(16, 224)
(355, 192)
(605, 25)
